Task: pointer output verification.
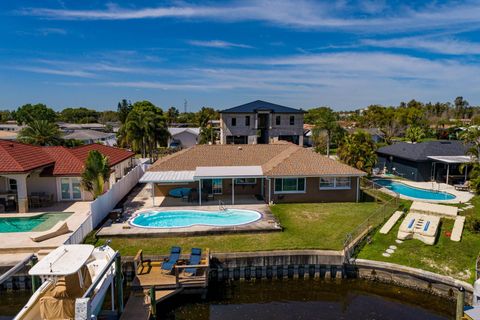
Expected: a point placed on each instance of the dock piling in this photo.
(119, 283)
(460, 303)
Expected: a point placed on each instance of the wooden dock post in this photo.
(119, 283)
(153, 302)
(35, 279)
(460, 303)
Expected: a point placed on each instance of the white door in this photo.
(70, 189)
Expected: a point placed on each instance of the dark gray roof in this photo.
(420, 151)
(260, 105)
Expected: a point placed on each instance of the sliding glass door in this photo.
(70, 189)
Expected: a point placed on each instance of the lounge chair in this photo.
(172, 260)
(462, 187)
(195, 258)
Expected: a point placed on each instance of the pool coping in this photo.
(460, 196)
(136, 214)
(266, 223)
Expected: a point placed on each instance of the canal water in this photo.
(289, 300)
(308, 299)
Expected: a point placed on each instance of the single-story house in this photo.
(88, 136)
(31, 174)
(425, 161)
(183, 137)
(279, 172)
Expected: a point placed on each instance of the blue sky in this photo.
(345, 54)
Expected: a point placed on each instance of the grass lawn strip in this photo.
(456, 259)
(306, 226)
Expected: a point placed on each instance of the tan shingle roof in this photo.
(282, 159)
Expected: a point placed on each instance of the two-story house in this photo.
(261, 122)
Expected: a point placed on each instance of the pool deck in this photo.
(20, 242)
(140, 200)
(460, 196)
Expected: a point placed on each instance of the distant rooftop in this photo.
(87, 134)
(423, 150)
(260, 105)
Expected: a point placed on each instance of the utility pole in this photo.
(185, 102)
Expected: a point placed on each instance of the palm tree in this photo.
(414, 134)
(472, 137)
(326, 121)
(358, 150)
(96, 172)
(41, 133)
(144, 130)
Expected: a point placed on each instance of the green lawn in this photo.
(307, 226)
(456, 259)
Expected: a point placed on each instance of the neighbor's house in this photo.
(88, 136)
(30, 175)
(279, 172)
(425, 161)
(183, 137)
(261, 122)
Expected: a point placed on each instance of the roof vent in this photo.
(240, 148)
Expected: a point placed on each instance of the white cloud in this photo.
(431, 44)
(218, 44)
(49, 31)
(298, 14)
(68, 73)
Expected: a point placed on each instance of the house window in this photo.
(290, 185)
(245, 181)
(329, 183)
(234, 122)
(277, 120)
(292, 120)
(247, 121)
(12, 184)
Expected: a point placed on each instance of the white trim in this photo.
(334, 184)
(245, 183)
(59, 189)
(293, 191)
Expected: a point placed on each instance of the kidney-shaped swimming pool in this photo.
(189, 218)
(412, 192)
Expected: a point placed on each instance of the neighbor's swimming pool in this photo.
(412, 192)
(41, 222)
(188, 218)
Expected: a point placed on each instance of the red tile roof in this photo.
(19, 157)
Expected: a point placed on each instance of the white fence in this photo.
(100, 207)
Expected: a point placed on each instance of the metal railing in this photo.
(376, 190)
(4, 277)
(389, 203)
(221, 205)
(477, 268)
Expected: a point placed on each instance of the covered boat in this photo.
(67, 273)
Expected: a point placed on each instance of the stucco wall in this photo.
(35, 183)
(274, 130)
(187, 139)
(314, 194)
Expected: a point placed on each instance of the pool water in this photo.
(188, 218)
(413, 192)
(41, 222)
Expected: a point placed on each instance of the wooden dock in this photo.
(138, 307)
(152, 284)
